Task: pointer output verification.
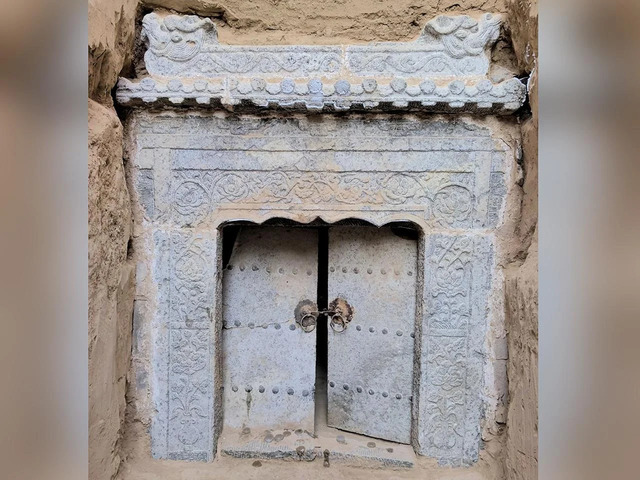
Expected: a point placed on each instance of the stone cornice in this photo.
(445, 69)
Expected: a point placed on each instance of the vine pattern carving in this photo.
(449, 310)
(191, 283)
(191, 286)
(188, 44)
(445, 426)
(196, 192)
(255, 61)
(189, 386)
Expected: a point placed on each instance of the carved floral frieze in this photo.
(449, 199)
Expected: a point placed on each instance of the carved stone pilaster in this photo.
(457, 282)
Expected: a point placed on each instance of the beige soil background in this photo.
(111, 49)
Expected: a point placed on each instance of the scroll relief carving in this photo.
(449, 197)
(189, 386)
(444, 69)
(449, 308)
(189, 382)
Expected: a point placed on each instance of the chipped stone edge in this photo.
(458, 96)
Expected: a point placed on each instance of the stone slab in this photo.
(210, 168)
(445, 69)
(370, 366)
(343, 447)
(269, 362)
(192, 172)
(456, 290)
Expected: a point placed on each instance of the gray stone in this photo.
(437, 173)
(187, 46)
(347, 449)
(456, 291)
(382, 363)
(194, 172)
(183, 391)
(445, 69)
(284, 359)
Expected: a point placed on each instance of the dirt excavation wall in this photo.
(522, 277)
(111, 46)
(111, 277)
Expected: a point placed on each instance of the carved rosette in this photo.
(198, 193)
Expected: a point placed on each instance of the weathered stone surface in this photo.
(187, 46)
(111, 283)
(437, 173)
(182, 327)
(370, 362)
(192, 173)
(325, 445)
(445, 69)
(456, 291)
(269, 362)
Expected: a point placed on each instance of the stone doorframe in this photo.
(182, 211)
(192, 171)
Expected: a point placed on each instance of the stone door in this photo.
(269, 359)
(372, 274)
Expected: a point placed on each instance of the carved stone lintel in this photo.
(444, 70)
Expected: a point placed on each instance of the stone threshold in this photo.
(329, 446)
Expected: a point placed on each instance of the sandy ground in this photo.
(224, 467)
(231, 468)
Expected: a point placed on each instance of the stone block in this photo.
(445, 69)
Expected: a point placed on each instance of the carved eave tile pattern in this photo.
(444, 70)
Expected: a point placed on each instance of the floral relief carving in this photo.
(191, 287)
(447, 364)
(189, 197)
(444, 428)
(444, 42)
(256, 61)
(399, 187)
(231, 187)
(196, 193)
(193, 298)
(453, 203)
(445, 69)
(449, 313)
(451, 261)
(189, 384)
(408, 63)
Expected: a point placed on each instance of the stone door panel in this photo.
(370, 362)
(268, 360)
